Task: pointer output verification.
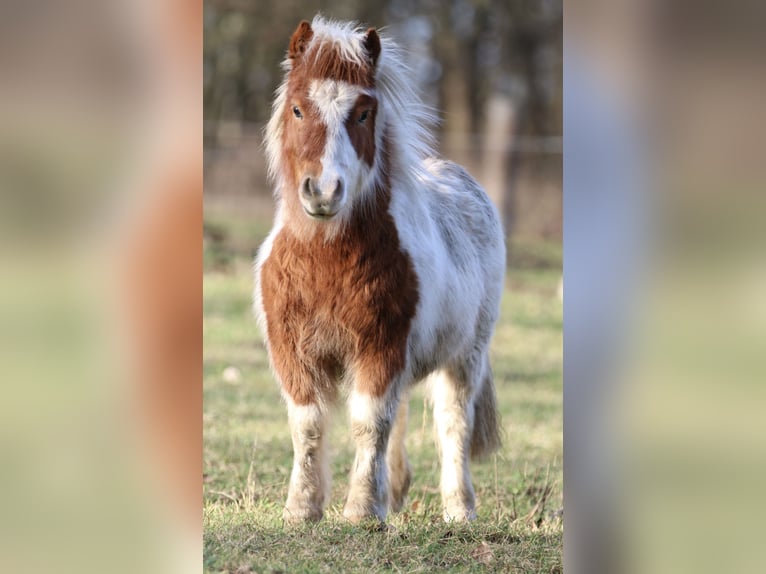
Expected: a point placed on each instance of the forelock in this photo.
(336, 52)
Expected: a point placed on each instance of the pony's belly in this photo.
(442, 344)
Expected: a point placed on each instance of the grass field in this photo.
(248, 454)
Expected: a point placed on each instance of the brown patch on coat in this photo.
(341, 305)
(361, 130)
(303, 139)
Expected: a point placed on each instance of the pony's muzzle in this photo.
(321, 202)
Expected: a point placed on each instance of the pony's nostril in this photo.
(306, 188)
(338, 192)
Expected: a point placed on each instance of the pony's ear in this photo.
(301, 37)
(372, 45)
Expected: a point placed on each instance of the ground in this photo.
(248, 454)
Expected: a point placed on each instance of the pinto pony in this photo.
(384, 267)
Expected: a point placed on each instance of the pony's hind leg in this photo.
(453, 392)
(399, 472)
(310, 478)
(371, 422)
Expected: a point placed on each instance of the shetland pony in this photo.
(384, 267)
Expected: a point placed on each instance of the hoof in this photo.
(301, 515)
(370, 523)
(459, 515)
(357, 516)
(354, 518)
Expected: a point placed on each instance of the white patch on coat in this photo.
(310, 478)
(455, 295)
(371, 422)
(363, 407)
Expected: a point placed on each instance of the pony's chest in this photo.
(329, 286)
(349, 291)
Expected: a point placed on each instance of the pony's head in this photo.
(322, 139)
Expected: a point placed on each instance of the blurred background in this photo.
(492, 69)
(664, 321)
(100, 289)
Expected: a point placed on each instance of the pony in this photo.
(384, 267)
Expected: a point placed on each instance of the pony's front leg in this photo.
(371, 420)
(310, 478)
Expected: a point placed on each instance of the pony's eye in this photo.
(363, 117)
(297, 112)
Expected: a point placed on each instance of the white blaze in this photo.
(335, 101)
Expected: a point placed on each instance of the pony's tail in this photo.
(486, 420)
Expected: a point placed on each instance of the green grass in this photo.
(248, 454)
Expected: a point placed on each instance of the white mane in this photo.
(403, 114)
